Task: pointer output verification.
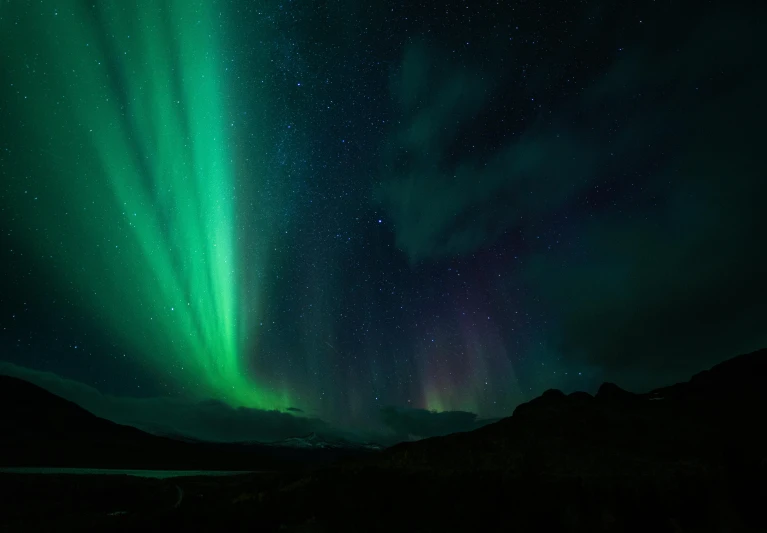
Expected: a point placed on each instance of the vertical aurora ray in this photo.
(466, 368)
(143, 186)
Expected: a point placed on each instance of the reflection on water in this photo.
(158, 474)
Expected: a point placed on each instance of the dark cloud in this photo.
(684, 287)
(679, 285)
(664, 270)
(446, 212)
(209, 420)
(448, 198)
(213, 420)
(409, 424)
(449, 187)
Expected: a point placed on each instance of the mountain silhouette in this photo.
(41, 429)
(688, 457)
(683, 458)
(713, 417)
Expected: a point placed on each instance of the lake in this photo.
(157, 474)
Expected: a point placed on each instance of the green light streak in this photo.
(444, 400)
(152, 171)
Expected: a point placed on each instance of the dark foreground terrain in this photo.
(690, 457)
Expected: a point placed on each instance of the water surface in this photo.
(158, 474)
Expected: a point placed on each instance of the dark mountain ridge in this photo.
(688, 457)
(42, 429)
(712, 417)
(685, 458)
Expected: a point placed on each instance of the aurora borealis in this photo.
(337, 211)
(156, 178)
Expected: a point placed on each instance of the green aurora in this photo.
(141, 105)
(249, 220)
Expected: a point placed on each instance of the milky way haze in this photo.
(359, 216)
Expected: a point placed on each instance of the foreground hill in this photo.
(715, 418)
(40, 429)
(690, 457)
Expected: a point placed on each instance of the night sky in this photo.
(248, 220)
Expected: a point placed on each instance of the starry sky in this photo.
(249, 220)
